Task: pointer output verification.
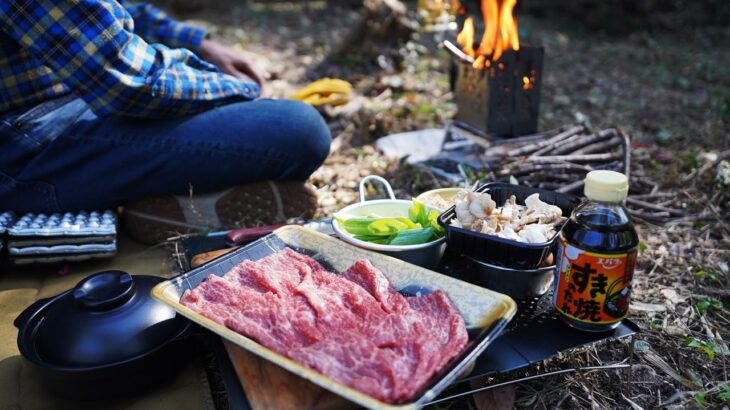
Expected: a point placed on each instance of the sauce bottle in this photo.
(596, 256)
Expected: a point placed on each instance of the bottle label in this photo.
(591, 287)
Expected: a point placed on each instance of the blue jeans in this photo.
(59, 156)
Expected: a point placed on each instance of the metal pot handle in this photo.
(382, 181)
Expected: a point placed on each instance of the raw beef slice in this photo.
(352, 327)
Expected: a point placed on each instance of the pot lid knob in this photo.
(104, 290)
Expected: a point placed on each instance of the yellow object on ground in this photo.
(330, 91)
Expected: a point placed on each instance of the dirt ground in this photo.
(670, 90)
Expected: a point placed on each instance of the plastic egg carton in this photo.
(7, 219)
(67, 224)
(50, 238)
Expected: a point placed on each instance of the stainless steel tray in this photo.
(485, 312)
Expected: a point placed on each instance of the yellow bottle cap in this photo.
(606, 186)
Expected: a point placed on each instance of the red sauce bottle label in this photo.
(591, 287)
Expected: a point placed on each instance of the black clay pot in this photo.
(107, 337)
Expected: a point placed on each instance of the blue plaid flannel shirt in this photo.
(122, 59)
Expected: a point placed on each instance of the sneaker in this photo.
(154, 220)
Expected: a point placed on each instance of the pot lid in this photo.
(109, 317)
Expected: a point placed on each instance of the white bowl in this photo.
(427, 254)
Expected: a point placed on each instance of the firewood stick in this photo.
(566, 176)
(654, 207)
(530, 148)
(549, 148)
(552, 177)
(643, 180)
(600, 146)
(639, 186)
(570, 188)
(649, 216)
(565, 166)
(540, 136)
(547, 184)
(667, 202)
(656, 195)
(575, 158)
(562, 178)
(583, 142)
(613, 166)
(456, 52)
(627, 152)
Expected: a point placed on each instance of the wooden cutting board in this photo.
(267, 385)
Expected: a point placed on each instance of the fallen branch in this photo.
(530, 148)
(654, 207)
(627, 153)
(649, 216)
(570, 188)
(555, 177)
(563, 166)
(549, 148)
(655, 195)
(575, 158)
(584, 141)
(600, 146)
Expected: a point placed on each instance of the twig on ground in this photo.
(632, 403)
(654, 207)
(584, 141)
(575, 158)
(530, 148)
(695, 175)
(649, 216)
(600, 146)
(572, 187)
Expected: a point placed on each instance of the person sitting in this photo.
(105, 103)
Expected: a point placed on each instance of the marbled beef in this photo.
(352, 327)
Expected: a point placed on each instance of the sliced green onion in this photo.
(413, 236)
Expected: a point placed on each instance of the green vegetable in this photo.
(418, 213)
(370, 238)
(386, 226)
(412, 236)
(419, 227)
(357, 226)
(382, 240)
(433, 221)
(411, 224)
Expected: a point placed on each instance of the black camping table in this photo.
(534, 334)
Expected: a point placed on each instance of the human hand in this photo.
(230, 61)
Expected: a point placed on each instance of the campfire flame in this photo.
(500, 33)
(466, 37)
